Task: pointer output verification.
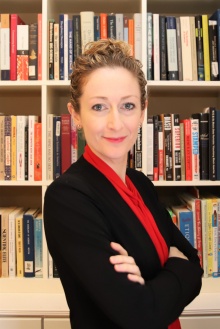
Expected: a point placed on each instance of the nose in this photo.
(114, 119)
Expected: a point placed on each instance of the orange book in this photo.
(131, 34)
(188, 148)
(39, 46)
(38, 151)
(103, 26)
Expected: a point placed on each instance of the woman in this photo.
(121, 260)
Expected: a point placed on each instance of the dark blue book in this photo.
(111, 19)
(216, 16)
(172, 59)
(61, 38)
(96, 27)
(28, 233)
(56, 146)
(70, 46)
(163, 48)
(217, 144)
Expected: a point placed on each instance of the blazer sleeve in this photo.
(79, 239)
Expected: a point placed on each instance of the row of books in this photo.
(184, 149)
(21, 248)
(69, 35)
(20, 147)
(20, 48)
(197, 215)
(183, 48)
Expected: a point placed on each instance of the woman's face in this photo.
(110, 113)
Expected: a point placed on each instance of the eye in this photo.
(128, 106)
(98, 107)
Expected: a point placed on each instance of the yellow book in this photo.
(206, 47)
(13, 147)
(210, 236)
(19, 245)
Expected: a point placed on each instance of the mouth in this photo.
(114, 139)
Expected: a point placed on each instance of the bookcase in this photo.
(44, 298)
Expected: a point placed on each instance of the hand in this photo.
(125, 264)
(175, 252)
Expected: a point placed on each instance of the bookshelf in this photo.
(50, 96)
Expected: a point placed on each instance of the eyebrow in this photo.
(105, 98)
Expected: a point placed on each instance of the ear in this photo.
(143, 112)
(74, 114)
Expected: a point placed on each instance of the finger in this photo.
(135, 278)
(117, 247)
(119, 259)
(128, 268)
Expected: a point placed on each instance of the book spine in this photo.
(173, 73)
(38, 247)
(70, 46)
(77, 48)
(163, 47)
(204, 237)
(39, 46)
(209, 236)
(186, 48)
(212, 146)
(131, 34)
(5, 46)
(7, 147)
(50, 146)
(175, 120)
(56, 52)
(198, 229)
(28, 227)
(87, 27)
(160, 151)
(206, 47)
(199, 48)
(188, 148)
(103, 26)
(217, 143)
(2, 147)
(138, 36)
(125, 28)
(31, 121)
(179, 48)
(4, 243)
(61, 48)
(213, 37)
(19, 246)
(150, 47)
(66, 62)
(119, 26)
(218, 218)
(186, 226)
(22, 51)
(168, 147)
(56, 146)
(195, 149)
(13, 147)
(138, 150)
(38, 151)
(51, 49)
(193, 47)
(74, 142)
(150, 149)
(11, 248)
(65, 142)
(33, 52)
(182, 151)
(111, 30)
(155, 147)
(26, 151)
(214, 235)
(14, 21)
(96, 27)
(156, 43)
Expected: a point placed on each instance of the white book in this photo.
(22, 122)
(156, 43)
(137, 36)
(186, 48)
(50, 146)
(11, 240)
(87, 27)
(150, 148)
(195, 149)
(56, 52)
(193, 48)
(66, 75)
(119, 26)
(31, 121)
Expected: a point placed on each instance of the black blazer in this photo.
(83, 213)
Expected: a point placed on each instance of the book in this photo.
(206, 51)
(65, 141)
(13, 147)
(50, 146)
(12, 259)
(188, 148)
(32, 119)
(15, 20)
(213, 39)
(111, 26)
(160, 151)
(28, 234)
(150, 149)
(199, 48)
(156, 47)
(87, 27)
(73, 141)
(137, 36)
(186, 48)
(56, 55)
(38, 245)
(182, 151)
(155, 147)
(96, 27)
(216, 16)
(7, 147)
(172, 59)
(103, 25)
(61, 45)
(131, 34)
(212, 149)
(5, 46)
(22, 51)
(168, 157)
(163, 47)
(119, 26)
(77, 47)
(217, 144)
(33, 52)
(179, 48)
(193, 47)
(22, 122)
(125, 30)
(66, 47)
(184, 221)
(39, 46)
(37, 151)
(150, 70)
(2, 148)
(56, 146)
(19, 240)
(51, 48)
(175, 122)
(138, 150)
(70, 47)
(195, 148)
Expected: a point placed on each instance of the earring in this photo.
(79, 127)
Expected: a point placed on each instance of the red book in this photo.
(188, 148)
(131, 34)
(65, 142)
(103, 26)
(15, 20)
(22, 52)
(38, 151)
(39, 46)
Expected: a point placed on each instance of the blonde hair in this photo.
(99, 54)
